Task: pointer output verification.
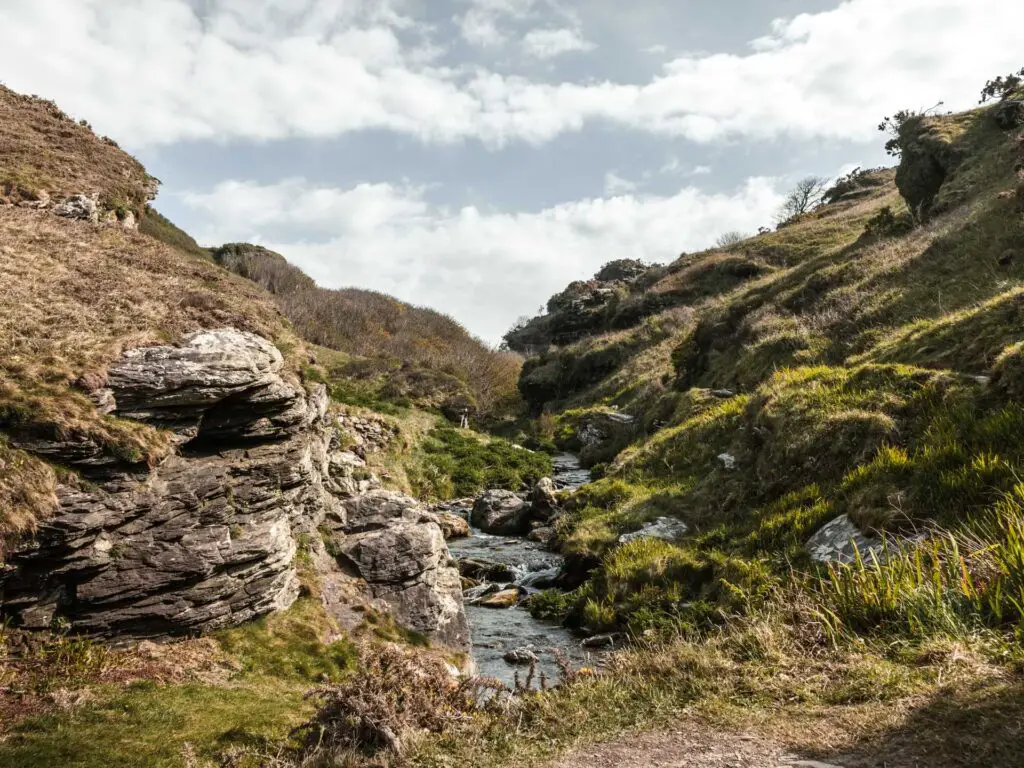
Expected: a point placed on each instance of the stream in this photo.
(497, 631)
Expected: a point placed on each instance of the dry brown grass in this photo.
(44, 150)
(76, 295)
(26, 492)
(395, 696)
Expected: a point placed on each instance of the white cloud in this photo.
(675, 167)
(549, 43)
(481, 24)
(151, 72)
(481, 29)
(485, 269)
(617, 185)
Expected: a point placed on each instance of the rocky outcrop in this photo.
(368, 434)
(501, 513)
(1009, 114)
(584, 308)
(83, 207)
(208, 538)
(602, 434)
(928, 158)
(80, 207)
(398, 548)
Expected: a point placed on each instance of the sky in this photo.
(476, 156)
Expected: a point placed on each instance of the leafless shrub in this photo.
(728, 239)
(804, 198)
(395, 694)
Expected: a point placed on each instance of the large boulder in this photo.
(601, 434)
(398, 548)
(407, 565)
(501, 513)
(544, 500)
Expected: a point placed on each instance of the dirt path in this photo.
(700, 746)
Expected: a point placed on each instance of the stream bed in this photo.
(497, 631)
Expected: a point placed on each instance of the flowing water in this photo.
(496, 631)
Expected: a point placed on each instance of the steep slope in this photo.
(164, 468)
(862, 360)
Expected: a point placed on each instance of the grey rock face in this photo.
(666, 528)
(839, 542)
(370, 434)
(218, 385)
(398, 548)
(207, 539)
(501, 513)
(83, 207)
(544, 500)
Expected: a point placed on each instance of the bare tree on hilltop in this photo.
(805, 197)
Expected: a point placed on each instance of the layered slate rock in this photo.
(208, 538)
(399, 549)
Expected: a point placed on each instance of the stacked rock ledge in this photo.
(207, 539)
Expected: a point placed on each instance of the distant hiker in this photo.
(464, 419)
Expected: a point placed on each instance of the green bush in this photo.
(455, 464)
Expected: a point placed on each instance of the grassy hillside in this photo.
(76, 294)
(862, 359)
(46, 153)
(394, 353)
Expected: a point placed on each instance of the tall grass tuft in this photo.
(951, 584)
